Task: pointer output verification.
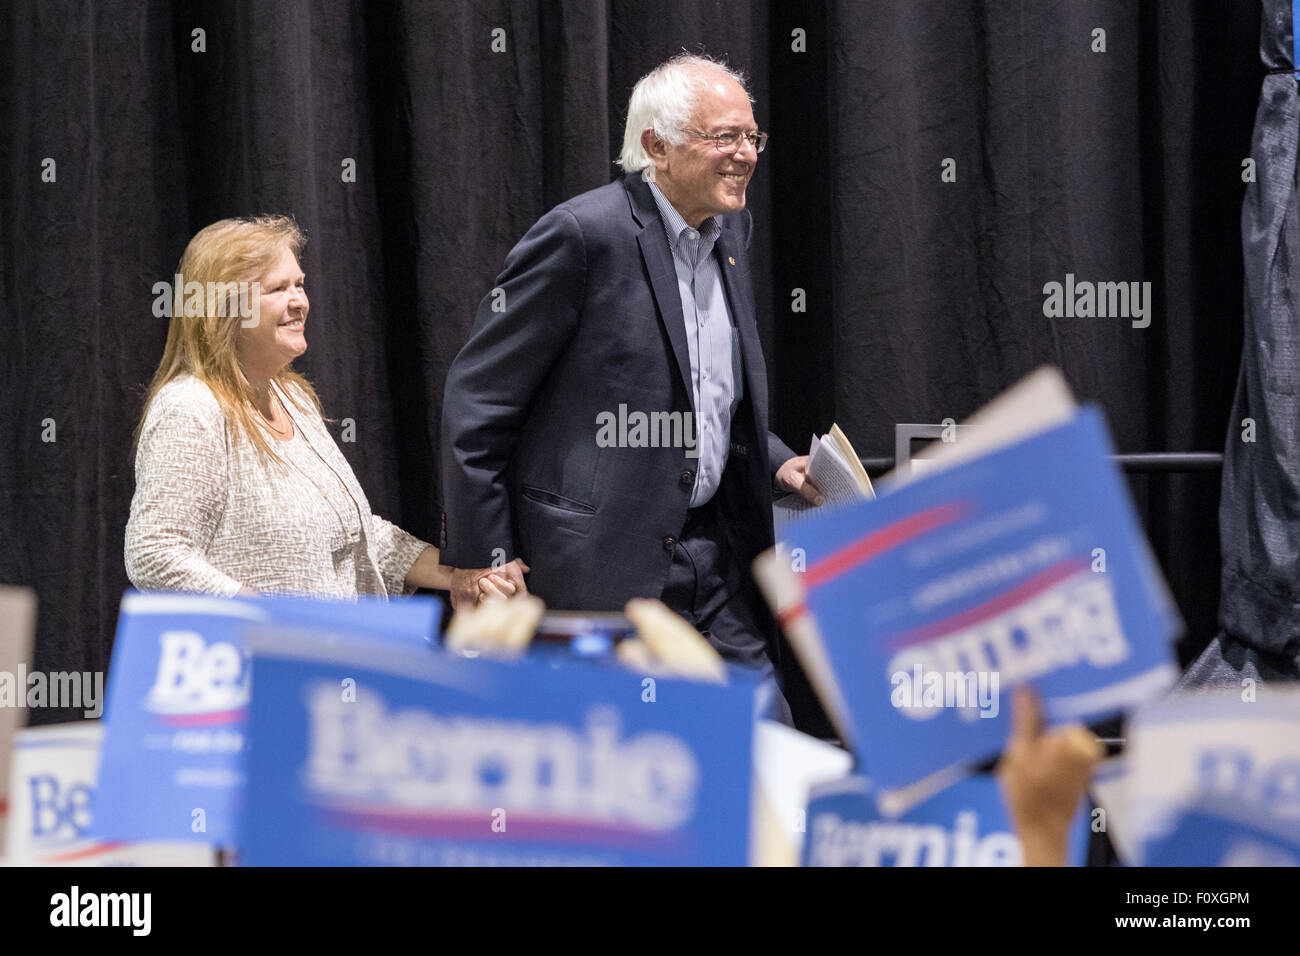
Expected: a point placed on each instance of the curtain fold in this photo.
(1259, 511)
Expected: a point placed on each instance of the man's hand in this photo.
(793, 476)
(465, 590)
(1043, 776)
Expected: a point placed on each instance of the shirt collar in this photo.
(675, 226)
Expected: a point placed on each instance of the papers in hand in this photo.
(834, 467)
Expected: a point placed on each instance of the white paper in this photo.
(787, 765)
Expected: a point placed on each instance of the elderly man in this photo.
(605, 426)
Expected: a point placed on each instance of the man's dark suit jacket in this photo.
(587, 318)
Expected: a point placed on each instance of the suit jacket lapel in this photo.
(653, 240)
(663, 279)
(742, 310)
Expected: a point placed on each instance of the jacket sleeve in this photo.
(778, 453)
(180, 493)
(521, 328)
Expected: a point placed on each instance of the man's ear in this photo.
(655, 147)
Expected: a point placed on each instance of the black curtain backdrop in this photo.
(923, 298)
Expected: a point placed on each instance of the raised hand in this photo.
(1043, 776)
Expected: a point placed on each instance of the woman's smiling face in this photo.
(277, 337)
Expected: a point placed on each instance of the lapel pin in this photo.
(731, 259)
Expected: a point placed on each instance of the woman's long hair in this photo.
(203, 345)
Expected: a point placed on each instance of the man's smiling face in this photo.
(698, 179)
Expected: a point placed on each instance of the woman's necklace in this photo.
(278, 433)
(324, 490)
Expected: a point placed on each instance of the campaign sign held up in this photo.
(392, 757)
(178, 692)
(53, 803)
(1025, 565)
(1215, 778)
(965, 824)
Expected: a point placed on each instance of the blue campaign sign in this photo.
(363, 757)
(965, 824)
(1216, 778)
(172, 765)
(1026, 565)
(1222, 834)
(53, 806)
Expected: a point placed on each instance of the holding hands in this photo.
(469, 586)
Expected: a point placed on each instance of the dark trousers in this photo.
(705, 586)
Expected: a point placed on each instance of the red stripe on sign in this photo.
(878, 542)
(89, 851)
(206, 718)
(792, 613)
(471, 825)
(1044, 580)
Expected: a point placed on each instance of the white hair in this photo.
(663, 100)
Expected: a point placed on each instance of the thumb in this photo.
(522, 567)
(809, 490)
(1026, 716)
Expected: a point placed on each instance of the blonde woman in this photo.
(239, 487)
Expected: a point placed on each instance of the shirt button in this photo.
(687, 478)
(669, 544)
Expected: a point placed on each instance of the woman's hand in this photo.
(495, 587)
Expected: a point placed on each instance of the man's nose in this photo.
(746, 151)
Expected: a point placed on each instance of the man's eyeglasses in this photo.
(729, 142)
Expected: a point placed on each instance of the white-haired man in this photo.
(605, 426)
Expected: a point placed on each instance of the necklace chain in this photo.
(347, 494)
(276, 431)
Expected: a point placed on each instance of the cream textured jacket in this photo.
(210, 515)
